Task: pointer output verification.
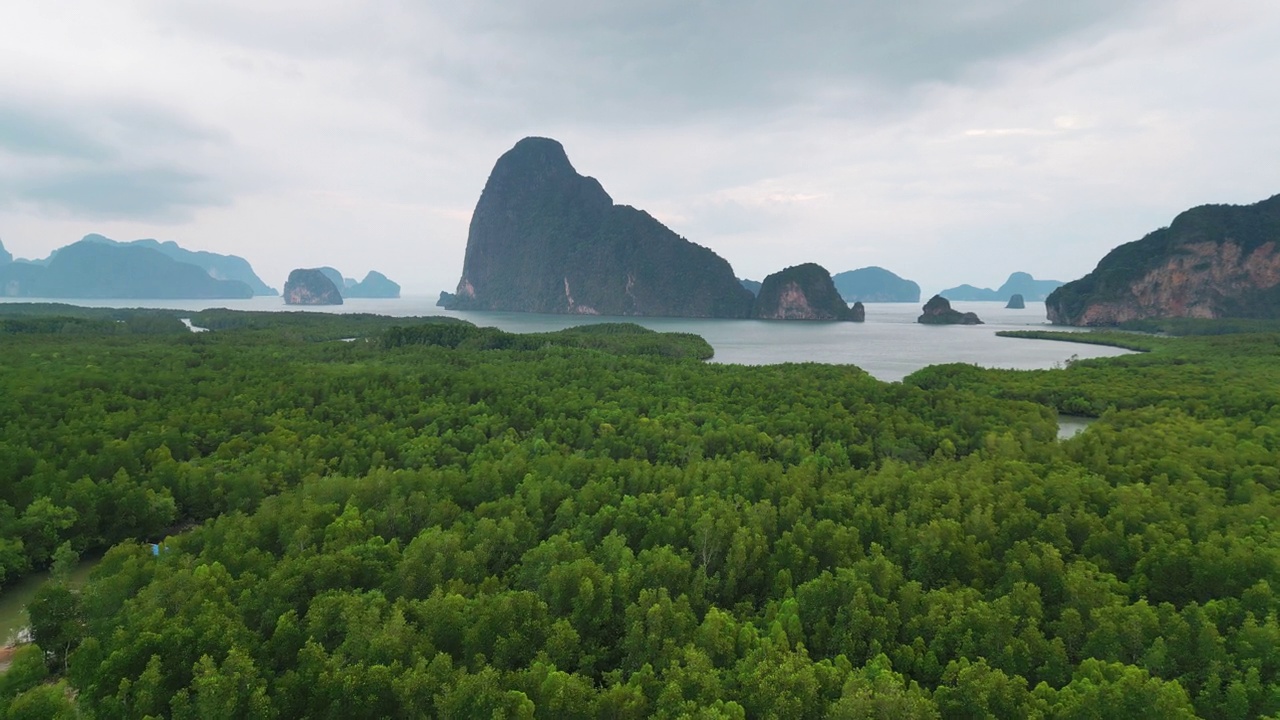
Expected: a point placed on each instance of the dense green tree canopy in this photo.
(438, 520)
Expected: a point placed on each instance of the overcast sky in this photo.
(947, 141)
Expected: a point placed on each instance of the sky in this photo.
(948, 141)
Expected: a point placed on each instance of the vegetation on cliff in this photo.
(311, 286)
(938, 311)
(800, 292)
(545, 239)
(875, 284)
(1212, 261)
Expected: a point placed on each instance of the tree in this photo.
(56, 622)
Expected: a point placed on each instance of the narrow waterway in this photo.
(14, 598)
(1071, 425)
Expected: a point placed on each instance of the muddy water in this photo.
(14, 598)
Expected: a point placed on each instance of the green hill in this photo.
(875, 284)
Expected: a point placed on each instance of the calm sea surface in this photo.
(890, 344)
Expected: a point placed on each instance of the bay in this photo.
(890, 345)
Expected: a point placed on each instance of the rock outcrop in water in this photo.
(1213, 261)
(1016, 302)
(938, 311)
(545, 239)
(311, 286)
(875, 284)
(802, 292)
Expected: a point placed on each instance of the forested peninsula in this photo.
(437, 520)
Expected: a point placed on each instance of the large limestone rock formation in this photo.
(802, 292)
(310, 286)
(938, 311)
(1213, 261)
(545, 239)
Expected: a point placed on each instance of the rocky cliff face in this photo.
(310, 286)
(1213, 261)
(938, 311)
(802, 292)
(545, 239)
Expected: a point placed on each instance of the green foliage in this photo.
(56, 622)
(49, 318)
(43, 702)
(618, 338)
(26, 670)
(436, 528)
(307, 325)
(1128, 341)
(1201, 326)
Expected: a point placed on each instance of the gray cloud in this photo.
(108, 160)
(150, 193)
(667, 61)
(37, 132)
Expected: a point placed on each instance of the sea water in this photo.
(890, 345)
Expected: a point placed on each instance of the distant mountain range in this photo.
(94, 269)
(99, 267)
(374, 285)
(1020, 283)
(219, 267)
(875, 284)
